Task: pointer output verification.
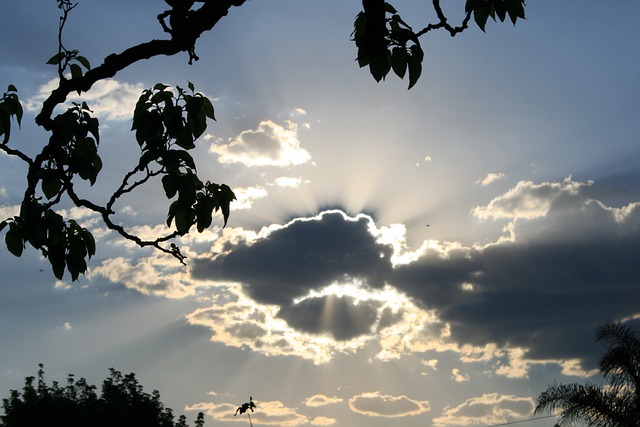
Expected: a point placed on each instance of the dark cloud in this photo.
(300, 257)
(339, 316)
(568, 266)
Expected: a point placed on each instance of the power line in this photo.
(522, 421)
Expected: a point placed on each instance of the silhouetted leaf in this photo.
(399, 61)
(14, 241)
(56, 59)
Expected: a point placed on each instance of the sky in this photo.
(427, 257)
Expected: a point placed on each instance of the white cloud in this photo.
(246, 196)
(271, 413)
(490, 178)
(487, 409)
(288, 182)
(458, 376)
(321, 400)
(529, 200)
(108, 99)
(271, 144)
(376, 404)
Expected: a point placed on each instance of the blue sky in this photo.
(432, 257)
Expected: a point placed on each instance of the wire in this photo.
(522, 421)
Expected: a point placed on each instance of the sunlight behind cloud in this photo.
(109, 98)
(271, 144)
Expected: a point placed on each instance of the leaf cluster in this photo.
(386, 42)
(500, 9)
(10, 108)
(65, 243)
(166, 124)
(615, 404)
(122, 402)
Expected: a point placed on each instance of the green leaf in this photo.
(414, 63)
(160, 86)
(190, 86)
(56, 59)
(184, 220)
(76, 71)
(399, 61)
(84, 61)
(57, 261)
(389, 9)
(51, 185)
(14, 242)
(208, 108)
(380, 65)
(169, 185)
(481, 14)
(89, 242)
(11, 88)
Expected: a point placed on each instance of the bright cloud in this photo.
(272, 413)
(271, 144)
(246, 196)
(321, 400)
(490, 178)
(529, 200)
(376, 404)
(487, 409)
(108, 98)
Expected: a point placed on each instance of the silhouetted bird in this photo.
(245, 406)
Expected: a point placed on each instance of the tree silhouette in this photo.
(167, 123)
(615, 404)
(122, 402)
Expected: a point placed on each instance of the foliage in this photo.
(386, 42)
(122, 402)
(615, 404)
(167, 122)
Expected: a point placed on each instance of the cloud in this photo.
(487, 409)
(108, 99)
(272, 413)
(288, 182)
(323, 421)
(271, 144)
(321, 400)
(490, 178)
(376, 404)
(517, 302)
(157, 275)
(458, 376)
(529, 200)
(246, 196)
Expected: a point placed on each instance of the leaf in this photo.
(11, 88)
(51, 185)
(84, 61)
(190, 86)
(380, 64)
(414, 63)
(56, 59)
(169, 185)
(208, 108)
(399, 61)
(14, 242)
(183, 220)
(89, 242)
(481, 14)
(76, 71)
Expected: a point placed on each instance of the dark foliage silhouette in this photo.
(122, 402)
(167, 123)
(615, 404)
